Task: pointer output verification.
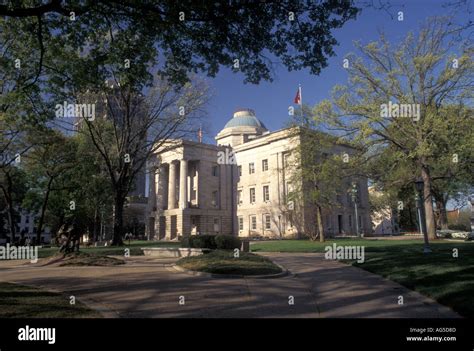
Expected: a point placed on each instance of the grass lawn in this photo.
(223, 262)
(112, 250)
(439, 275)
(19, 301)
(86, 259)
(316, 246)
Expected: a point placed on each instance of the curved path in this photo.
(147, 287)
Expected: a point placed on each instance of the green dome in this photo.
(244, 118)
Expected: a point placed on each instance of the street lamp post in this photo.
(354, 200)
(419, 185)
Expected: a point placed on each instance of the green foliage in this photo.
(227, 242)
(191, 36)
(69, 48)
(200, 242)
(320, 174)
(418, 70)
(224, 262)
(460, 226)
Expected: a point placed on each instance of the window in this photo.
(286, 158)
(239, 197)
(288, 189)
(215, 198)
(264, 165)
(241, 223)
(253, 222)
(215, 171)
(268, 223)
(340, 226)
(290, 220)
(240, 170)
(251, 168)
(328, 222)
(252, 195)
(216, 225)
(350, 221)
(266, 193)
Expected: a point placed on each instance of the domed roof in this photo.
(245, 118)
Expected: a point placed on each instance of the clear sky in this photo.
(271, 100)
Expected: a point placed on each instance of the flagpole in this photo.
(301, 101)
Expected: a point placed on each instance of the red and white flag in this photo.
(298, 96)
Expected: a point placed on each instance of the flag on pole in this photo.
(298, 96)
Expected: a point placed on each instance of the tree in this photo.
(21, 111)
(319, 171)
(13, 190)
(48, 160)
(79, 194)
(136, 126)
(93, 191)
(422, 75)
(191, 36)
(68, 48)
(451, 166)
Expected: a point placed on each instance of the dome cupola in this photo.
(244, 126)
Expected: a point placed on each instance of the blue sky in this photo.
(271, 100)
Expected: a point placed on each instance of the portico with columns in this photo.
(189, 192)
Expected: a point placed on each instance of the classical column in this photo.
(160, 190)
(183, 184)
(189, 185)
(198, 169)
(152, 188)
(172, 186)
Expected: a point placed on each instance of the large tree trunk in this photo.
(118, 219)
(428, 202)
(43, 211)
(443, 214)
(95, 226)
(7, 193)
(11, 219)
(319, 218)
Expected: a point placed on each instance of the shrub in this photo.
(227, 242)
(185, 242)
(199, 242)
(459, 226)
(443, 233)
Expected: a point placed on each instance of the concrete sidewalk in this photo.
(150, 288)
(344, 291)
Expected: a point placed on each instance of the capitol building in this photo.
(239, 186)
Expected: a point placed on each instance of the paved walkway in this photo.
(150, 288)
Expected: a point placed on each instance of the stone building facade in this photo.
(238, 187)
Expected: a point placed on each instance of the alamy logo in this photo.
(37, 334)
(66, 110)
(395, 110)
(226, 158)
(336, 252)
(8, 252)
